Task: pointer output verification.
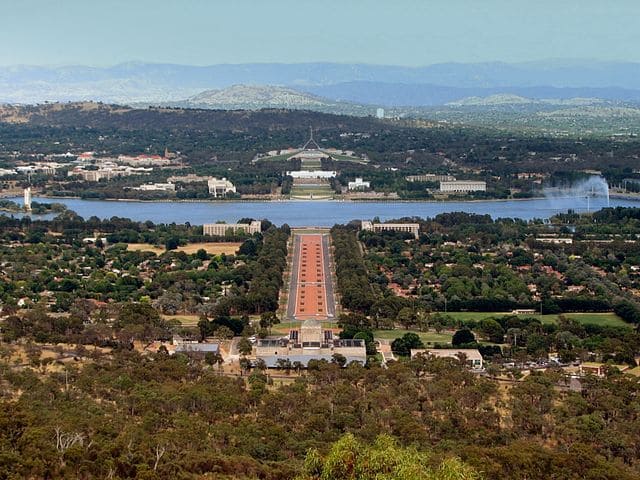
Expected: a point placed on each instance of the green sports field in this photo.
(606, 319)
(426, 337)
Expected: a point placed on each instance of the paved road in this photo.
(311, 293)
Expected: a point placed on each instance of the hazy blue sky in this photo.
(405, 32)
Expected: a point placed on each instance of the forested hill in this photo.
(103, 116)
(209, 136)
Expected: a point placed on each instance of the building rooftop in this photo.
(470, 353)
(197, 347)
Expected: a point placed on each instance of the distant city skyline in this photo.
(405, 32)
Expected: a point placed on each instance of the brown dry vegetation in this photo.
(212, 248)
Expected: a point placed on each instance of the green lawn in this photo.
(347, 158)
(311, 164)
(606, 319)
(426, 337)
(315, 190)
(277, 158)
(184, 320)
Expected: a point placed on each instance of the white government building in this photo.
(221, 229)
(413, 228)
(312, 174)
(430, 177)
(359, 184)
(156, 187)
(220, 186)
(463, 186)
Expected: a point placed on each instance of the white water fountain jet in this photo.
(594, 186)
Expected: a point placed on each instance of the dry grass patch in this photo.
(145, 247)
(212, 248)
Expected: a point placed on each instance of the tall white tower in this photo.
(27, 199)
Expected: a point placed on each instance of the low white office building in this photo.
(430, 177)
(157, 187)
(412, 228)
(463, 186)
(221, 229)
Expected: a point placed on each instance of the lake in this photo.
(324, 213)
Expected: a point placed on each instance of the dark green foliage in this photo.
(628, 311)
(463, 337)
(403, 345)
(353, 286)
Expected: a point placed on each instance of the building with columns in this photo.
(219, 187)
(412, 228)
(463, 186)
(221, 229)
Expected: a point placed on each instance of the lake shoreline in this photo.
(285, 200)
(323, 213)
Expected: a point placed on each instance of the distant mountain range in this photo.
(375, 85)
(425, 95)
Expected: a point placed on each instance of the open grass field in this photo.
(184, 320)
(212, 248)
(311, 189)
(278, 158)
(606, 319)
(347, 158)
(426, 337)
(314, 189)
(311, 164)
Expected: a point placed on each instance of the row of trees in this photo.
(353, 286)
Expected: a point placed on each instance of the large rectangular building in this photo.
(221, 229)
(157, 187)
(430, 177)
(463, 186)
(413, 228)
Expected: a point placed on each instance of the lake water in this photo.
(324, 213)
